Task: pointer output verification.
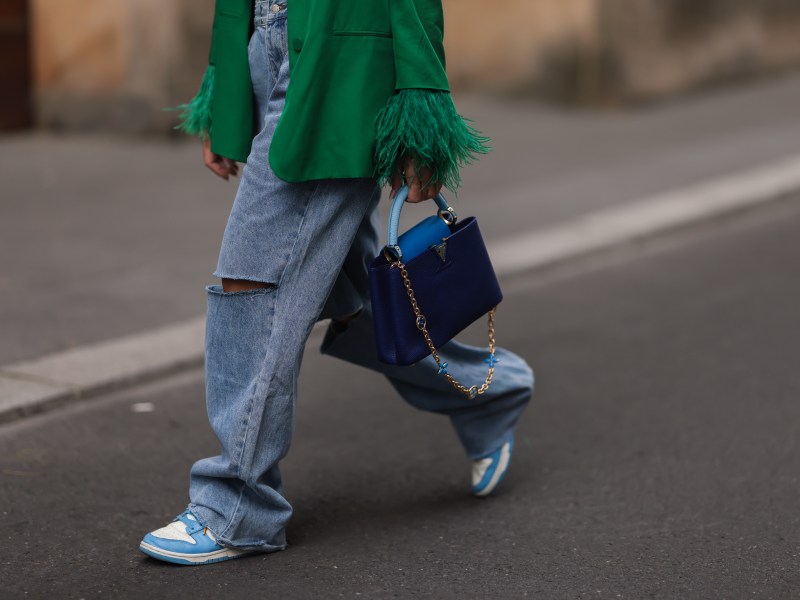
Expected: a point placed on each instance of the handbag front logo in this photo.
(441, 250)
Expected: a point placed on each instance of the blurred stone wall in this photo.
(597, 51)
(516, 43)
(114, 65)
(653, 48)
(100, 65)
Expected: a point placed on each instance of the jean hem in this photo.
(260, 546)
(506, 438)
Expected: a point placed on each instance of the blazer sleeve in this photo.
(222, 110)
(195, 115)
(418, 43)
(420, 119)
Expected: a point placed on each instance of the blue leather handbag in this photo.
(428, 285)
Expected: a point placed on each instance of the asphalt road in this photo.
(660, 458)
(102, 237)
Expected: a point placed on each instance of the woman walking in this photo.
(323, 100)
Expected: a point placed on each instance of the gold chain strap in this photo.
(422, 325)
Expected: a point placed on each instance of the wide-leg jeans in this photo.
(311, 243)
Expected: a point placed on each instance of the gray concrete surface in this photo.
(32, 386)
(74, 375)
(103, 237)
(658, 460)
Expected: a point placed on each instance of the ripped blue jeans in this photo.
(311, 242)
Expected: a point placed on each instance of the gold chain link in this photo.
(422, 325)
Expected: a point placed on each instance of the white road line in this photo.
(34, 385)
(645, 217)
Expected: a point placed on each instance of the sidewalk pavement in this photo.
(658, 460)
(103, 238)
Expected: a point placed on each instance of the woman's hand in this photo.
(414, 180)
(224, 167)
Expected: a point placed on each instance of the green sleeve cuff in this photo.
(196, 114)
(424, 124)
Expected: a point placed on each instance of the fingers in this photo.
(214, 162)
(434, 190)
(211, 160)
(232, 166)
(412, 181)
(219, 165)
(420, 186)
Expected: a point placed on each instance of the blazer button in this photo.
(297, 44)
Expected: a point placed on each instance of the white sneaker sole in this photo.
(182, 558)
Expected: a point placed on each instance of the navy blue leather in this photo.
(451, 294)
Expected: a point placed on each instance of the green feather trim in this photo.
(424, 124)
(196, 115)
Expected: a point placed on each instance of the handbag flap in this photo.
(428, 232)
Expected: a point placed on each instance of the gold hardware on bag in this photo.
(422, 325)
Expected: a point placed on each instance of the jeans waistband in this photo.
(267, 10)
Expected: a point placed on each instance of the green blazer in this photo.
(349, 59)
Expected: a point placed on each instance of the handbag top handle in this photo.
(445, 212)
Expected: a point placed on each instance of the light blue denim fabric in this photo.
(312, 241)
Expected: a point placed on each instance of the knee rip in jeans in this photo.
(244, 285)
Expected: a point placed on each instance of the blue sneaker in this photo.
(488, 472)
(186, 542)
